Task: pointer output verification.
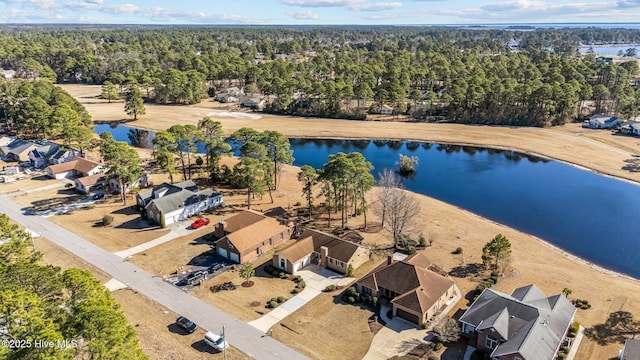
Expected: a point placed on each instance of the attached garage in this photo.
(223, 252)
(408, 316)
(235, 257)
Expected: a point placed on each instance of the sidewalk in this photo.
(317, 279)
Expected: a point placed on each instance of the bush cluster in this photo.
(573, 330)
(351, 296)
(581, 304)
(330, 288)
(487, 283)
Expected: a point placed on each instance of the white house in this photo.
(170, 203)
(88, 183)
(599, 121)
(386, 110)
(11, 169)
(78, 167)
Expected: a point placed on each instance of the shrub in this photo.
(273, 304)
(283, 275)
(422, 241)
(275, 272)
(575, 327)
(302, 284)
(107, 220)
(565, 349)
(295, 290)
(490, 282)
(561, 356)
(330, 288)
(298, 203)
(351, 300)
(582, 304)
(297, 279)
(438, 346)
(458, 251)
(494, 278)
(280, 299)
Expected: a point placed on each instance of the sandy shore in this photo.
(534, 260)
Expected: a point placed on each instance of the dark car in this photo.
(200, 223)
(98, 196)
(215, 267)
(196, 277)
(186, 324)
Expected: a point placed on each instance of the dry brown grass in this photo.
(26, 184)
(48, 199)
(158, 336)
(244, 303)
(57, 256)
(125, 232)
(323, 329)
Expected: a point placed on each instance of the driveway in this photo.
(317, 279)
(399, 336)
(245, 337)
(176, 230)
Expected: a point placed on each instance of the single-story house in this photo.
(599, 121)
(169, 203)
(631, 350)
(140, 182)
(78, 167)
(17, 150)
(86, 184)
(51, 153)
(227, 98)
(6, 140)
(525, 325)
(631, 128)
(409, 285)
(249, 234)
(253, 102)
(316, 247)
(386, 110)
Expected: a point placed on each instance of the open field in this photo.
(556, 143)
(324, 329)
(125, 232)
(27, 184)
(534, 261)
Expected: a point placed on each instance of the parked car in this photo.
(98, 196)
(215, 267)
(215, 341)
(196, 276)
(186, 324)
(200, 223)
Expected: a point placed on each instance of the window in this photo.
(366, 290)
(270, 242)
(330, 260)
(283, 264)
(491, 343)
(339, 263)
(281, 236)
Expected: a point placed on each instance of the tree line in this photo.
(43, 303)
(465, 75)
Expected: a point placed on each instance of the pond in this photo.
(589, 215)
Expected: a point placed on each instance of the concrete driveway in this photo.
(317, 279)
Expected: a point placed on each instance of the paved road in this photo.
(245, 337)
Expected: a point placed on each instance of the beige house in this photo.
(414, 292)
(315, 247)
(78, 167)
(249, 234)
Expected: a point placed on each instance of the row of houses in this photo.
(39, 152)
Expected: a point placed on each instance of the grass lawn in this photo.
(245, 303)
(323, 329)
(49, 199)
(125, 232)
(26, 184)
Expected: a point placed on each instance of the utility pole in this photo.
(224, 343)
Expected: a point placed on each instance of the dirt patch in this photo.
(248, 284)
(321, 322)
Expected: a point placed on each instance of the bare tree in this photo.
(448, 332)
(397, 208)
(387, 180)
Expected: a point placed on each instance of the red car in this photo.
(200, 223)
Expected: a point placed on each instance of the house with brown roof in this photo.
(316, 247)
(78, 167)
(409, 285)
(86, 184)
(249, 234)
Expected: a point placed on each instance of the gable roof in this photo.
(631, 350)
(154, 192)
(91, 180)
(183, 197)
(17, 147)
(312, 240)
(535, 324)
(78, 164)
(418, 287)
(45, 148)
(249, 228)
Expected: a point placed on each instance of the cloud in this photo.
(381, 6)
(40, 4)
(159, 14)
(322, 3)
(303, 15)
(625, 4)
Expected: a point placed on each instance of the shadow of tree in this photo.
(408, 345)
(46, 204)
(618, 327)
(466, 270)
(632, 165)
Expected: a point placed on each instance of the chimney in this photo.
(324, 252)
(221, 229)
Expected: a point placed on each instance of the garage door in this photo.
(235, 257)
(408, 316)
(307, 261)
(222, 252)
(297, 266)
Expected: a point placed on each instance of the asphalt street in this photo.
(243, 336)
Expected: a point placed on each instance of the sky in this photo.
(310, 12)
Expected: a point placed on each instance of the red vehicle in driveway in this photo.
(200, 223)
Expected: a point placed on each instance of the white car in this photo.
(215, 341)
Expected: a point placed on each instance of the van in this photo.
(215, 341)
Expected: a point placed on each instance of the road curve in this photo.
(243, 336)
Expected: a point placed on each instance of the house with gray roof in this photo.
(17, 150)
(631, 350)
(51, 153)
(170, 203)
(600, 121)
(525, 325)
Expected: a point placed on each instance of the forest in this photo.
(518, 77)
